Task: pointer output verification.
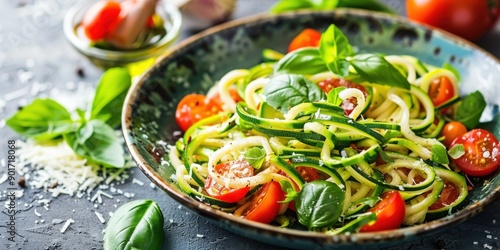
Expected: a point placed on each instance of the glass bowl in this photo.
(107, 58)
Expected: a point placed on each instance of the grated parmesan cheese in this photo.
(57, 163)
(66, 225)
(99, 216)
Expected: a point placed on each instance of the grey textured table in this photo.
(34, 51)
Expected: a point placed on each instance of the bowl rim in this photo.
(274, 231)
(112, 55)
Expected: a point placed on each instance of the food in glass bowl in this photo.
(117, 33)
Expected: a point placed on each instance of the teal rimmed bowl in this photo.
(198, 62)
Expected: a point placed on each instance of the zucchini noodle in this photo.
(387, 141)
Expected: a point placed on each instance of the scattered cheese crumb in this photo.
(37, 213)
(152, 185)
(57, 221)
(99, 216)
(138, 182)
(200, 235)
(487, 246)
(66, 225)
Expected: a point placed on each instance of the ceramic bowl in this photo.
(106, 58)
(198, 62)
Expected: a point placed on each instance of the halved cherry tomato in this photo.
(448, 195)
(441, 90)
(101, 18)
(467, 18)
(482, 152)
(306, 38)
(452, 130)
(390, 213)
(264, 204)
(194, 107)
(231, 169)
(348, 104)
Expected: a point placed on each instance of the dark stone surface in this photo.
(33, 50)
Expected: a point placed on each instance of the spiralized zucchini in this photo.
(392, 124)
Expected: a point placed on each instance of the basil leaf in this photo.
(42, 119)
(255, 156)
(319, 204)
(334, 47)
(110, 95)
(470, 109)
(135, 225)
(290, 192)
(366, 4)
(333, 96)
(457, 151)
(454, 70)
(439, 154)
(287, 5)
(287, 90)
(375, 69)
(97, 142)
(305, 61)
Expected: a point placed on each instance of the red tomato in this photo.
(390, 213)
(306, 38)
(440, 91)
(482, 152)
(348, 104)
(264, 205)
(101, 18)
(192, 108)
(230, 169)
(469, 19)
(448, 195)
(452, 130)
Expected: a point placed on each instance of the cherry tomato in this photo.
(452, 130)
(482, 152)
(101, 18)
(264, 205)
(348, 104)
(390, 213)
(230, 169)
(440, 91)
(448, 195)
(469, 19)
(192, 108)
(306, 38)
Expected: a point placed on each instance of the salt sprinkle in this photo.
(57, 221)
(152, 185)
(200, 235)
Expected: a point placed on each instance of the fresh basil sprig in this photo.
(135, 225)
(374, 68)
(334, 48)
(42, 119)
(319, 204)
(288, 5)
(90, 134)
(294, 62)
(439, 154)
(255, 156)
(287, 90)
(470, 109)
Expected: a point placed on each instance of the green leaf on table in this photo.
(110, 95)
(319, 204)
(305, 61)
(366, 5)
(135, 225)
(334, 48)
(42, 119)
(375, 69)
(287, 90)
(97, 142)
(470, 109)
(255, 156)
(289, 5)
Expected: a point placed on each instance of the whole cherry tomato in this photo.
(194, 107)
(101, 18)
(452, 130)
(306, 38)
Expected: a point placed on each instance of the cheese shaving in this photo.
(66, 225)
